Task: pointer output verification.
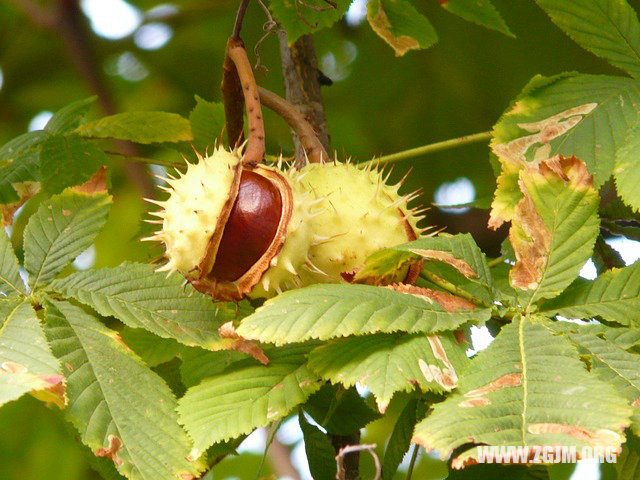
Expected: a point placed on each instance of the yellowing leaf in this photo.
(554, 226)
(399, 24)
(499, 401)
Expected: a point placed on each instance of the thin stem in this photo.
(494, 262)
(242, 9)
(431, 148)
(451, 288)
(256, 148)
(412, 463)
(313, 149)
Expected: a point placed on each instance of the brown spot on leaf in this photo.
(474, 402)
(636, 402)
(96, 184)
(227, 330)
(463, 267)
(460, 336)
(115, 444)
(119, 339)
(12, 368)
(53, 390)
(601, 437)
(350, 275)
(449, 302)
(380, 24)
(529, 236)
(25, 191)
(68, 367)
(66, 213)
(508, 380)
(543, 132)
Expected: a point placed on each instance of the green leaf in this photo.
(68, 160)
(26, 362)
(570, 114)
(142, 298)
(298, 19)
(140, 127)
(69, 117)
(198, 364)
(499, 400)
(387, 364)
(61, 229)
(627, 171)
(614, 366)
(247, 396)
(554, 227)
(20, 162)
(122, 409)
(152, 349)
(613, 296)
(329, 311)
(10, 281)
(460, 252)
(400, 439)
(320, 452)
(480, 12)
(340, 411)
(625, 338)
(399, 24)
(607, 28)
(207, 123)
(628, 462)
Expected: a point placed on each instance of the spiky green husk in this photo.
(286, 266)
(192, 210)
(359, 215)
(340, 214)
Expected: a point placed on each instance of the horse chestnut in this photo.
(236, 230)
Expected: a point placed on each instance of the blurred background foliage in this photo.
(148, 55)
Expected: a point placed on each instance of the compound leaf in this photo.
(122, 409)
(499, 400)
(570, 114)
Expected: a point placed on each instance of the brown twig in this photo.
(313, 149)
(233, 101)
(237, 54)
(302, 87)
(239, 18)
(342, 472)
